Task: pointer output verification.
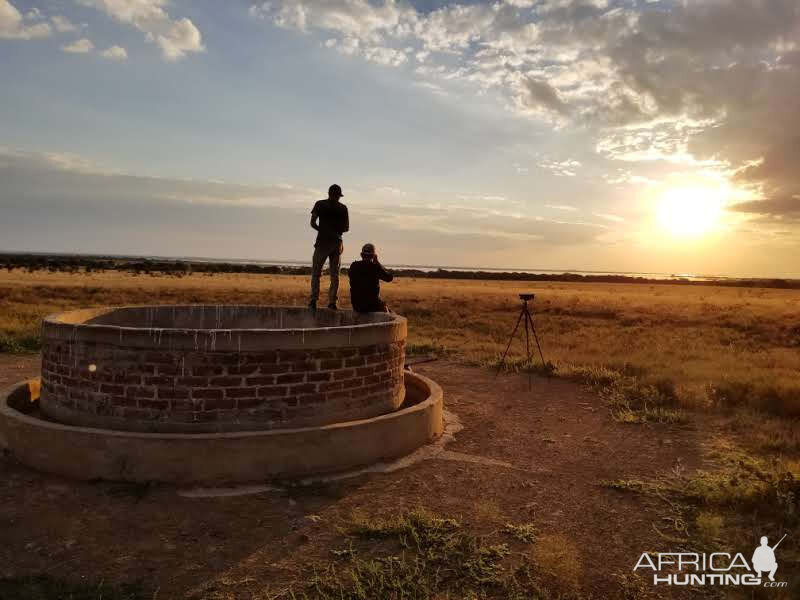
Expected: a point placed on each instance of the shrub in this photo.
(20, 345)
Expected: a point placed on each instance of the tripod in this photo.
(525, 314)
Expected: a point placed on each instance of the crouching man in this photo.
(365, 277)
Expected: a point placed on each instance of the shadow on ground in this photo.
(549, 448)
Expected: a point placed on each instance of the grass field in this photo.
(711, 345)
(659, 354)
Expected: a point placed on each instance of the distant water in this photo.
(430, 268)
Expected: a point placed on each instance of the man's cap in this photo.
(368, 249)
(335, 189)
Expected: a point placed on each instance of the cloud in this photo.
(392, 191)
(175, 37)
(14, 26)
(81, 46)
(180, 38)
(452, 28)
(431, 87)
(358, 19)
(609, 217)
(455, 221)
(780, 207)
(62, 24)
(561, 168)
(74, 204)
(115, 53)
(362, 27)
(539, 94)
(52, 176)
(57, 202)
(776, 175)
(17, 161)
(696, 84)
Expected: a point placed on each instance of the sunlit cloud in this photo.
(81, 46)
(115, 53)
(176, 37)
(643, 123)
(393, 191)
(562, 168)
(15, 26)
(675, 84)
(609, 217)
(62, 24)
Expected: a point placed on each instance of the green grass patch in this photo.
(630, 397)
(632, 400)
(425, 348)
(629, 485)
(714, 510)
(418, 555)
(516, 364)
(26, 344)
(740, 483)
(525, 532)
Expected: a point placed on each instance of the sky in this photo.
(658, 136)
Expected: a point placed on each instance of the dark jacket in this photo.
(333, 220)
(365, 288)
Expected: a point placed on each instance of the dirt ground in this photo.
(548, 448)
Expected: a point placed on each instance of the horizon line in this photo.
(294, 262)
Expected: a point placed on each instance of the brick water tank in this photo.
(220, 368)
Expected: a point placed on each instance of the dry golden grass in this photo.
(558, 557)
(691, 346)
(709, 525)
(724, 345)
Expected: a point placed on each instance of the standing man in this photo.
(330, 219)
(365, 282)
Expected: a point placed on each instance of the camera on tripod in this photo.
(524, 315)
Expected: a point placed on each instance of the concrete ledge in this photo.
(217, 458)
(226, 328)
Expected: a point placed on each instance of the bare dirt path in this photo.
(558, 440)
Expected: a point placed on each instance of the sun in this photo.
(690, 211)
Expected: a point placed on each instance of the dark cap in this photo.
(335, 190)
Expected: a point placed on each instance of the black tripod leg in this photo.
(527, 342)
(536, 337)
(511, 339)
(527, 335)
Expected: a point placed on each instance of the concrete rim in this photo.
(71, 326)
(212, 458)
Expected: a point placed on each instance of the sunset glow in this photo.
(598, 135)
(690, 211)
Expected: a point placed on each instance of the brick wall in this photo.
(278, 388)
